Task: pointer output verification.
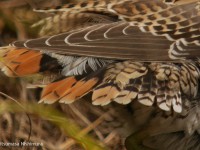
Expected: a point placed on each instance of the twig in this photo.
(71, 142)
(30, 123)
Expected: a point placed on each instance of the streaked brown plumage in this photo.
(120, 51)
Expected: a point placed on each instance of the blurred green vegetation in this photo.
(57, 118)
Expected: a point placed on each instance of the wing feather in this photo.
(116, 40)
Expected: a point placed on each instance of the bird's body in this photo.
(122, 51)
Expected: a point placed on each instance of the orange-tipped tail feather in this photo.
(79, 90)
(55, 90)
(21, 62)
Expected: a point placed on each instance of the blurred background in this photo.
(100, 123)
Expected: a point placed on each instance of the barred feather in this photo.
(119, 50)
(128, 52)
(64, 22)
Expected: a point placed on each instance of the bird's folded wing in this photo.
(118, 40)
(149, 30)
